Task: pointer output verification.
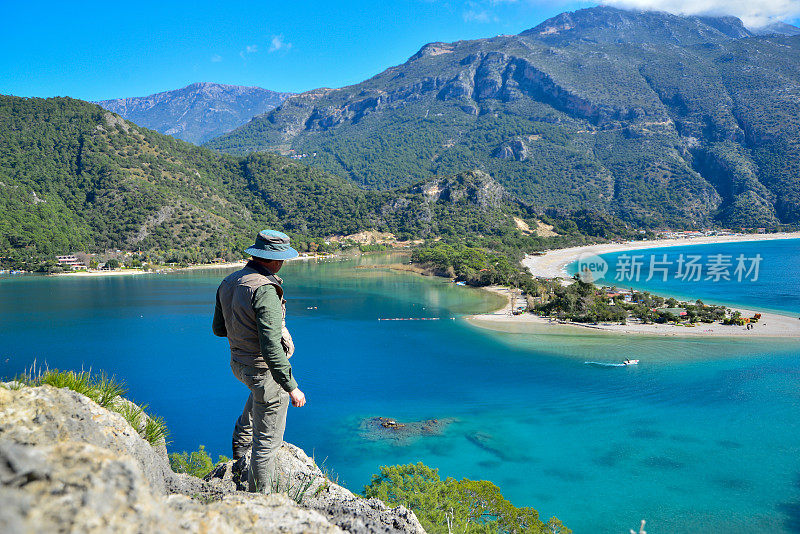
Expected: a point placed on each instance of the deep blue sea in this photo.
(702, 436)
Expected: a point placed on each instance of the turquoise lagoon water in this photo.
(702, 436)
(775, 286)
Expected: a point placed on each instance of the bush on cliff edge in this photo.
(442, 506)
(196, 463)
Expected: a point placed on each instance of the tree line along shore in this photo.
(545, 295)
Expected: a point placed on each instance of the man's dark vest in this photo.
(236, 293)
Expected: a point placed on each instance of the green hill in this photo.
(661, 120)
(76, 177)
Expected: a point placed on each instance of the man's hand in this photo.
(298, 398)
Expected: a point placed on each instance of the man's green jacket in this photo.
(250, 312)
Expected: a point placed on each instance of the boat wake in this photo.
(606, 364)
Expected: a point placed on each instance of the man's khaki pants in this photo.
(261, 425)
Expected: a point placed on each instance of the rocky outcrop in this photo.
(37, 418)
(384, 428)
(68, 465)
(77, 487)
(297, 475)
(514, 149)
(330, 116)
(433, 49)
(474, 187)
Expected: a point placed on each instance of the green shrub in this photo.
(197, 463)
(294, 490)
(133, 413)
(155, 430)
(443, 506)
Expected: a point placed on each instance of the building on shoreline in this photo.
(70, 262)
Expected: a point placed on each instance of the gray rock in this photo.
(44, 415)
(161, 446)
(382, 428)
(303, 479)
(20, 465)
(514, 149)
(89, 489)
(68, 465)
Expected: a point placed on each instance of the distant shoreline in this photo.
(91, 274)
(770, 325)
(553, 265)
(167, 270)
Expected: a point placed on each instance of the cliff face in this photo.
(68, 465)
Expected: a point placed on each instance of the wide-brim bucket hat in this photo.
(272, 245)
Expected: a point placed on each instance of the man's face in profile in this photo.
(273, 265)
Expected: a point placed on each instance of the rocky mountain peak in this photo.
(777, 28)
(610, 24)
(433, 49)
(200, 85)
(199, 111)
(568, 112)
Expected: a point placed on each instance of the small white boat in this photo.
(630, 362)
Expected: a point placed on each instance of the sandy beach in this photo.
(88, 274)
(553, 263)
(129, 272)
(770, 325)
(228, 265)
(163, 270)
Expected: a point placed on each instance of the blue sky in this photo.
(94, 50)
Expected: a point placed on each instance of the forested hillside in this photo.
(659, 119)
(75, 177)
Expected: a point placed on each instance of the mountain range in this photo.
(777, 28)
(197, 112)
(661, 120)
(76, 177)
(594, 123)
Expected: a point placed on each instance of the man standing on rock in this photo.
(251, 313)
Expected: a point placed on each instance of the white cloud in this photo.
(278, 43)
(477, 16)
(249, 49)
(482, 16)
(754, 13)
(216, 58)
